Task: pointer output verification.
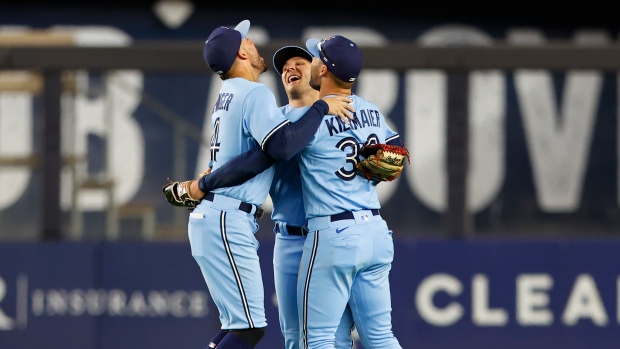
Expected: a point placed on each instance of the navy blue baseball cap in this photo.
(341, 56)
(221, 47)
(287, 52)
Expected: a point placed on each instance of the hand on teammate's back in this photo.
(340, 106)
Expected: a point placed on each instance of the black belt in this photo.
(243, 206)
(293, 230)
(349, 215)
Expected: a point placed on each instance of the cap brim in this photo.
(287, 52)
(243, 27)
(312, 46)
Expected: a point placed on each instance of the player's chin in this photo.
(290, 89)
(296, 86)
(294, 92)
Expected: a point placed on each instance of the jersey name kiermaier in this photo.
(244, 116)
(286, 185)
(330, 184)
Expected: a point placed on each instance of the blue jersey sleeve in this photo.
(261, 115)
(391, 137)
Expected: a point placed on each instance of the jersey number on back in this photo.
(351, 146)
(215, 142)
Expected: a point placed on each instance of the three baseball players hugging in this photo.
(333, 250)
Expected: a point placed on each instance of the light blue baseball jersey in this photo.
(328, 162)
(285, 188)
(221, 232)
(245, 115)
(348, 252)
(286, 195)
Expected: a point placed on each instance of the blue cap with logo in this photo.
(287, 52)
(341, 56)
(221, 47)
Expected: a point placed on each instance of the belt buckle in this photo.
(259, 213)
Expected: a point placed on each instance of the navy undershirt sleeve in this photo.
(282, 145)
(396, 141)
(237, 170)
(291, 139)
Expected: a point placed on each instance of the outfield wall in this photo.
(460, 294)
(543, 144)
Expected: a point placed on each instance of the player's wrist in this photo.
(201, 183)
(193, 191)
(322, 106)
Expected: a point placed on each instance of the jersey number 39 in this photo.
(351, 147)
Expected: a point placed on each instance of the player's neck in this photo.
(305, 100)
(334, 91)
(246, 72)
(328, 87)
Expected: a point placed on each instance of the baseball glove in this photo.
(177, 194)
(382, 163)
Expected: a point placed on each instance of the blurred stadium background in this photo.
(506, 223)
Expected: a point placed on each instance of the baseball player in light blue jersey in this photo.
(221, 228)
(349, 250)
(293, 64)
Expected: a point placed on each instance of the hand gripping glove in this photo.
(382, 163)
(177, 194)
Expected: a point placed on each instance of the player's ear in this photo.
(241, 54)
(323, 70)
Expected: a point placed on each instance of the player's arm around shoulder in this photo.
(287, 139)
(340, 106)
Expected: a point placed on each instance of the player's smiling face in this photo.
(296, 75)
